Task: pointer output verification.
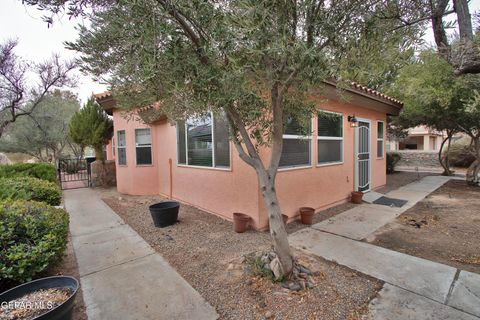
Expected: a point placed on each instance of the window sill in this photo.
(206, 168)
(328, 164)
(381, 158)
(144, 165)
(294, 168)
(122, 165)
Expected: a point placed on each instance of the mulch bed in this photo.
(444, 227)
(203, 249)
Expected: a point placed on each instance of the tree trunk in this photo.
(444, 161)
(464, 19)
(277, 227)
(99, 153)
(439, 34)
(474, 169)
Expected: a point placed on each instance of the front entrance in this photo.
(362, 156)
(74, 173)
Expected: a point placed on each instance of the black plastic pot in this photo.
(61, 312)
(165, 213)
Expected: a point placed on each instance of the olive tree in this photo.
(254, 61)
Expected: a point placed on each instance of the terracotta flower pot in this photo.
(357, 197)
(306, 215)
(240, 222)
(285, 219)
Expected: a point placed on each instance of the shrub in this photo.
(460, 155)
(44, 171)
(392, 160)
(32, 236)
(28, 188)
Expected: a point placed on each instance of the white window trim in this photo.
(122, 147)
(381, 139)
(143, 146)
(342, 138)
(213, 167)
(113, 147)
(299, 137)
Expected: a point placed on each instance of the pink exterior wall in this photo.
(222, 191)
(132, 178)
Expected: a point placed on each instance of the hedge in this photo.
(28, 188)
(44, 171)
(392, 160)
(32, 236)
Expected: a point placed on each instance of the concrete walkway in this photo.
(415, 288)
(122, 277)
(361, 221)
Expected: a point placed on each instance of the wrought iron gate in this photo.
(362, 162)
(74, 173)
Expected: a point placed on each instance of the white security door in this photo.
(362, 156)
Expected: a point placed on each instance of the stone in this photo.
(276, 268)
(120, 198)
(265, 258)
(268, 314)
(230, 267)
(266, 266)
(294, 286)
(304, 270)
(302, 284)
(4, 159)
(309, 285)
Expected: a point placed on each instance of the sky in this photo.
(38, 42)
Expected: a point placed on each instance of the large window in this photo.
(296, 150)
(203, 141)
(380, 133)
(143, 146)
(330, 137)
(121, 148)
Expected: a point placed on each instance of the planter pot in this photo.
(357, 197)
(285, 219)
(165, 213)
(306, 215)
(240, 222)
(61, 312)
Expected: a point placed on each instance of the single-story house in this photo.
(421, 138)
(194, 161)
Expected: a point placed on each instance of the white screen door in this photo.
(362, 156)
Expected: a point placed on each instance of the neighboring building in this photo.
(195, 163)
(420, 138)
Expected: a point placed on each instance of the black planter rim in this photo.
(164, 205)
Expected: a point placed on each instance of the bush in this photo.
(392, 160)
(460, 155)
(27, 188)
(32, 236)
(44, 171)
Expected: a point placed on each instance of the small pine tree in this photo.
(91, 126)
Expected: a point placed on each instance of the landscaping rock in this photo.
(294, 286)
(268, 315)
(276, 268)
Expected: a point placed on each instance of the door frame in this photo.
(356, 144)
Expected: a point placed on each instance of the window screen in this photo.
(380, 144)
(143, 146)
(181, 145)
(199, 141)
(222, 142)
(330, 137)
(296, 147)
(121, 147)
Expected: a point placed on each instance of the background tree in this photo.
(254, 61)
(20, 96)
(43, 134)
(91, 127)
(435, 96)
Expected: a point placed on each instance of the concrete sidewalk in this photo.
(363, 220)
(415, 288)
(122, 277)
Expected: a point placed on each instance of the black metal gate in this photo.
(74, 173)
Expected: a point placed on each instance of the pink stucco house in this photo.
(195, 163)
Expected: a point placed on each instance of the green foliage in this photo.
(28, 188)
(392, 160)
(91, 126)
(258, 268)
(44, 171)
(32, 236)
(44, 134)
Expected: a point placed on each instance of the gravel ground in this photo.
(202, 248)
